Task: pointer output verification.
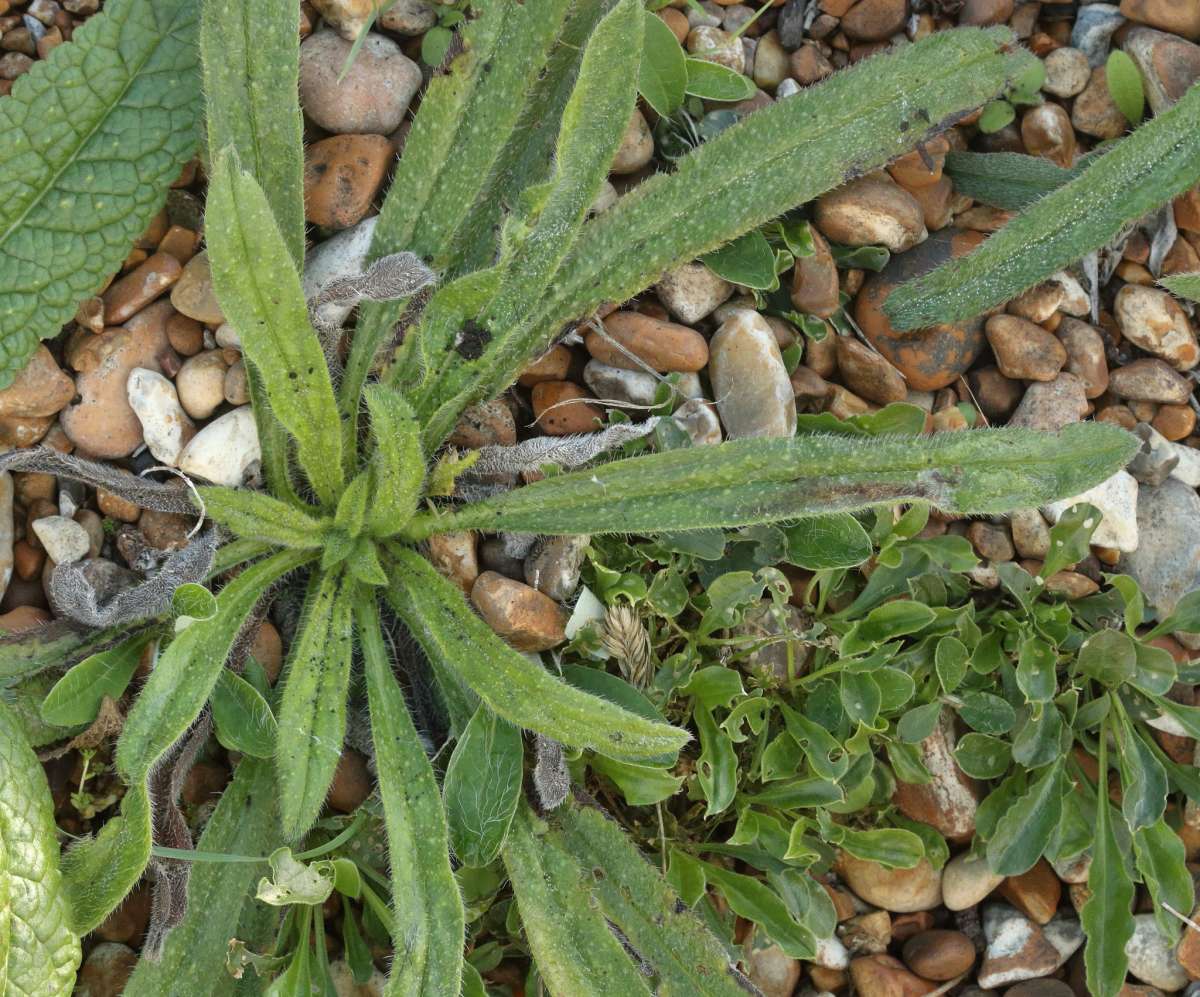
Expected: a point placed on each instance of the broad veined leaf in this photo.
(641, 785)
(763, 480)
(259, 289)
(1137, 176)
(251, 69)
(76, 697)
(427, 907)
(663, 73)
(1106, 917)
(244, 721)
(1024, 830)
(1070, 537)
(892, 847)
(716, 768)
(686, 957)
(258, 516)
(93, 137)
(312, 710)
(517, 689)
(573, 948)
(482, 786)
(1037, 674)
(39, 951)
(982, 755)
(1143, 779)
(1109, 657)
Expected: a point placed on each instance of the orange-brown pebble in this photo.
(815, 280)
(117, 507)
(677, 21)
(133, 292)
(23, 618)
(180, 242)
(519, 613)
(886, 976)
(560, 409)
(185, 335)
(939, 954)
(550, 366)
(267, 650)
(351, 782)
(1175, 422)
(1035, 893)
(454, 555)
(27, 560)
(665, 346)
(342, 174)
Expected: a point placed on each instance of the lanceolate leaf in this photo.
(245, 823)
(516, 688)
(76, 697)
(686, 958)
(55, 644)
(1025, 829)
(398, 464)
(593, 123)
(575, 951)
(482, 786)
(663, 73)
(188, 669)
(427, 909)
(1008, 180)
(39, 951)
(1139, 175)
(761, 480)
(312, 712)
(1162, 861)
(244, 721)
(251, 55)
(93, 137)
(258, 516)
(467, 118)
(852, 123)
(259, 289)
(1106, 917)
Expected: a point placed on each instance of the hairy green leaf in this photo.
(398, 463)
(258, 516)
(1009, 180)
(93, 137)
(1107, 918)
(251, 55)
(39, 951)
(763, 480)
(98, 872)
(259, 289)
(427, 909)
(246, 822)
(188, 669)
(1139, 175)
(853, 122)
(686, 958)
(834, 541)
(593, 123)
(312, 710)
(482, 786)
(458, 142)
(573, 948)
(516, 688)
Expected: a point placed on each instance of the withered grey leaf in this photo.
(389, 278)
(143, 492)
(563, 451)
(551, 779)
(78, 591)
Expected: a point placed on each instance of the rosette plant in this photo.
(512, 142)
